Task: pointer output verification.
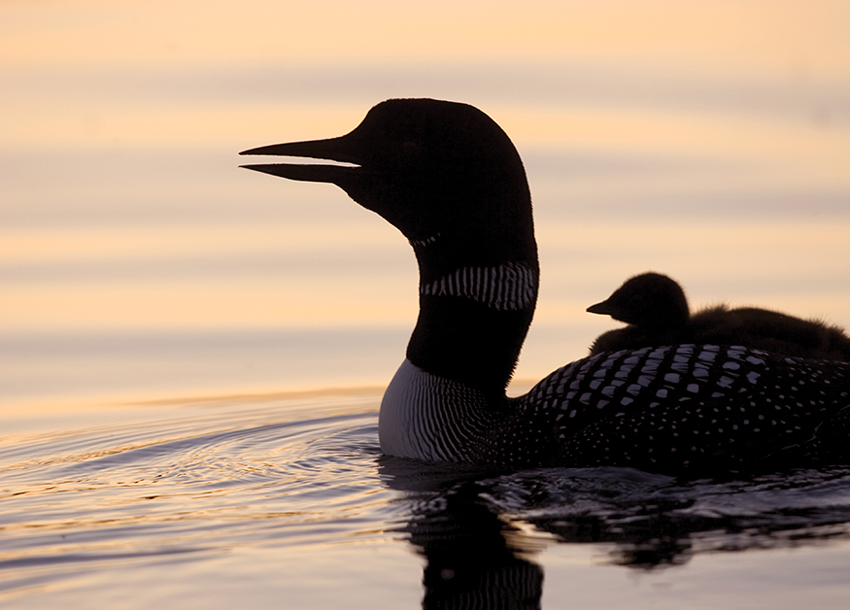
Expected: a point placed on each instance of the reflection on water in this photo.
(471, 558)
(191, 485)
(480, 534)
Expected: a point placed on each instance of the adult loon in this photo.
(448, 177)
(656, 310)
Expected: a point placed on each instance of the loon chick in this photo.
(656, 309)
(451, 181)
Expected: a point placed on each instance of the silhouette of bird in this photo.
(656, 310)
(448, 177)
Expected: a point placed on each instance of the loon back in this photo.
(452, 182)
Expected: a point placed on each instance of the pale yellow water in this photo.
(151, 292)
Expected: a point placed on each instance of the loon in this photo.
(448, 177)
(656, 310)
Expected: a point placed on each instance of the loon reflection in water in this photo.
(451, 181)
(656, 310)
(481, 533)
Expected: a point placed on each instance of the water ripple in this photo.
(227, 475)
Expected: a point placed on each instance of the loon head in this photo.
(448, 177)
(426, 166)
(648, 300)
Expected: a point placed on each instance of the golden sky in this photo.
(101, 75)
(767, 36)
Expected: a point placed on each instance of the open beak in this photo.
(342, 149)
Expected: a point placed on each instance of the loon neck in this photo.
(476, 301)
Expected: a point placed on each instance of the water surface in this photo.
(286, 501)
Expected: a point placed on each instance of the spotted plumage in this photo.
(688, 407)
(451, 181)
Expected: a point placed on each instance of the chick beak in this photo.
(603, 308)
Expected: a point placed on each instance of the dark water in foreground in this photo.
(286, 502)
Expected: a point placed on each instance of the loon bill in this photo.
(451, 181)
